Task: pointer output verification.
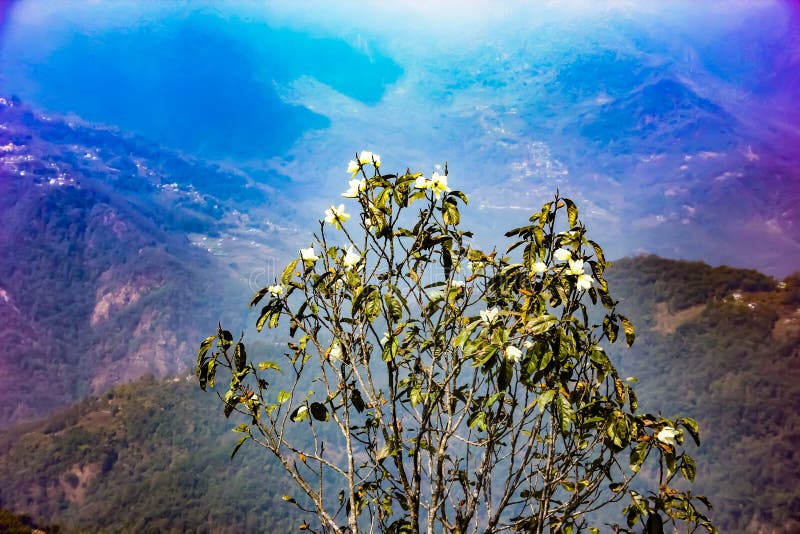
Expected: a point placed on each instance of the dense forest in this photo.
(723, 345)
(718, 344)
(144, 457)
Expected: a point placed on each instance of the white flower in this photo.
(562, 254)
(336, 216)
(366, 157)
(353, 167)
(585, 281)
(513, 353)
(277, 290)
(438, 183)
(539, 267)
(457, 283)
(351, 258)
(307, 254)
(335, 352)
(575, 267)
(488, 316)
(385, 339)
(667, 435)
(356, 186)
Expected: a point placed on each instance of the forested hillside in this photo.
(717, 344)
(723, 345)
(145, 457)
(111, 249)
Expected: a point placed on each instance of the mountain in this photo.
(718, 344)
(115, 256)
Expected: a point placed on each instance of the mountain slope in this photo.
(144, 457)
(718, 344)
(99, 283)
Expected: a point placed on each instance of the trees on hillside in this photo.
(431, 386)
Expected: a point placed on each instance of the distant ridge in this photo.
(112, 258)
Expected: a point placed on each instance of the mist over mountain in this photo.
(673, 125)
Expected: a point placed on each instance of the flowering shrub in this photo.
(445, 388)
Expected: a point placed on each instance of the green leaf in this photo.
(505, 374)
(394, 307)
(478, 421)
(703, 499)
(263, 366)
(258, 296)
(212, 372)
(201, 354)
(360, 296)
(541, 324)
(238, 445)
(638, 455)
(545, 399)
(390, 349)
(203, 375)
(450, 213)
(460, 195)
(358, 401)
(633, 400)
(598, 252)
(691, 425)
(538, 236)
(669, 459)
(572, 212)
(493, 398)
(319, 411)
(688, 467)
(566, 414)
(415, 395)
(231, 400)
(463, 336)
(283, 396)
(225, 338)
(239, 357)
(630, 332)
(545, 361)
(611, 328)
(599, 356)
(372, 306)
(262, 319)
(299, 414)
(288, 272)
(383, 453)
